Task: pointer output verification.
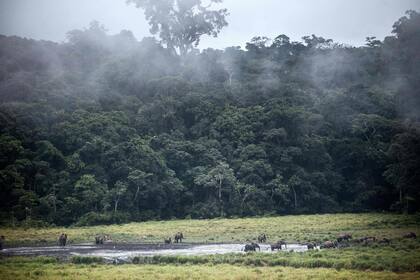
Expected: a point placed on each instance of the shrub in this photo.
(86, 260)
(31, 223)
(94, 219)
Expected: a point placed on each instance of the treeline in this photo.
(104, 128)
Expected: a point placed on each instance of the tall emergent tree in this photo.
(181, 23)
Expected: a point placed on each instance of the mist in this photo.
(343, 21)
(111, 113)
(277, 127)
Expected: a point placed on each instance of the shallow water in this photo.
(128, 251)
(46, 250)
(198, 250)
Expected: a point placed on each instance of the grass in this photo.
(400, 260)
(23, 268)
(406, 258)
(291, 228)
(86, 260)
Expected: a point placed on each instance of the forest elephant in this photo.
(385, 241)
(99, 240)
(107, 239)
(2, 239)
(311, 245)
(62, 240)
(278, 245)
(252, 247)
(344, 237)
(328, 244)
(178, 237)
(366, 240)
(410, 235)
(262, 238)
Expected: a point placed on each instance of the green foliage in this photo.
(375, 259)
(24, 268)
(93, 219)
(86, 260)
(104, 128)
(181, 23)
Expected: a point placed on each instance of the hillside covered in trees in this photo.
(104, 128)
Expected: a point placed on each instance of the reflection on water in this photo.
(193, 251)
(128, 253)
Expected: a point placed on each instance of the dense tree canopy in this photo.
(104, 128)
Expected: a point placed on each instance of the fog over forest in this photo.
(106, 127)
(347, 22)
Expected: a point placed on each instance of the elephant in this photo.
(328, 244)
(252, 247)
(62, 240)
(410, 235)
(370, 239)
(344, 237)
(168, 240)
(341, 245)
(311, 245)
(385, 241)
(65, 239)
(367, 239)
(99, 240)
(178, 237)
(278, 245)
(262, 238)
(2, 238)
(107, 239)
(103, 239)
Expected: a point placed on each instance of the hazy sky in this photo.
(345, 21)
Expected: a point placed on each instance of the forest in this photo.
(104, 128)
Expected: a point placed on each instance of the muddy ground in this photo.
(126, 251)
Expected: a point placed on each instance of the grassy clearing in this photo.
(400, 260)
(401, 256)
(42, 268)
(404, 259)
(291, 228)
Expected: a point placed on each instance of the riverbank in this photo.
(293, 229)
